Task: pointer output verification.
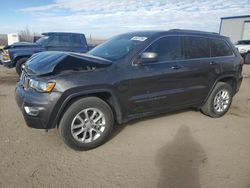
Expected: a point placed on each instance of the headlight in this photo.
(42, 86)
(6, 55)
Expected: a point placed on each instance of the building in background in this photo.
(236, 27)
(12, 38)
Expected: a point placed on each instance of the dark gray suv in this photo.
(130, 76)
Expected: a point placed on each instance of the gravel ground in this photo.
(182, 149)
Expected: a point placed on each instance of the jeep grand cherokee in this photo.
(130, 76)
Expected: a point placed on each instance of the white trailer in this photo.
(236, 27)
(12, 38)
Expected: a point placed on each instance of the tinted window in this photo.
(167, 48)
(60, 40)
(196, 47)
(220, 48)
(77, 40)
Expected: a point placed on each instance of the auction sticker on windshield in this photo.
(138, 38)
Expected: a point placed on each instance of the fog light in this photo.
(32, 111)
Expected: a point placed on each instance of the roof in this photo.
(186, 31)
(61, 33)
(233, 17)
(171, 31)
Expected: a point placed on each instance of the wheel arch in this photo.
(18, 58)
(230, 79)
(106, 95)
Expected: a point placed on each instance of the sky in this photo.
(105, 18)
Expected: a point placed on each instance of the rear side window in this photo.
(196, 47)
(60, 40)
(78, 41)
(167, 48)
(220, 48)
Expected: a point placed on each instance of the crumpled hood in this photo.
(54, 62)
(20, 44)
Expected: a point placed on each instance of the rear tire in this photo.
(19, 64)
(247, 58)
(219, 100)
(77, 127)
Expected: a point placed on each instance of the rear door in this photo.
(199, 72)
(223, 55)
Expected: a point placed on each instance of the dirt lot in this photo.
(183, 149)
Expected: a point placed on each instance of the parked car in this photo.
(244, 49)
(132, 75)
(16, 55)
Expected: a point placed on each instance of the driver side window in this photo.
(167, 48)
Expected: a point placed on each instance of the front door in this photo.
(158, 85)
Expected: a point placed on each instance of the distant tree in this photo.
(26, 35)
(3, 40)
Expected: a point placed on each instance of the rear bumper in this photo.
(42, 103)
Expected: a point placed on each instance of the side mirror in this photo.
(247, 59)
(147, 57)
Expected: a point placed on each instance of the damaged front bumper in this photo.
(37, 108)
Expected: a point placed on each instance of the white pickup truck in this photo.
(244, 48)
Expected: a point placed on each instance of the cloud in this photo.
(40, 8)
(108, 17)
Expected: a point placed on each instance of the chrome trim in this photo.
(24, 80)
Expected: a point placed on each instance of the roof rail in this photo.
(192, 31)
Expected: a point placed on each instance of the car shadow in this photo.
(180, 160)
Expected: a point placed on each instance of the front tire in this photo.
(86, 124)
(19, 64)
(219, 100)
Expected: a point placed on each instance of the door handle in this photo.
(213, 63)
(176, 67)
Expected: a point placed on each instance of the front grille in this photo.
(24, 79)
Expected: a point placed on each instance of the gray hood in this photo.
(55, 62)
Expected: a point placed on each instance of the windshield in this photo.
(117, 47)
(42, 40)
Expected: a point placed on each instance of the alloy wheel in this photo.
(88, 125)
(221, 101)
